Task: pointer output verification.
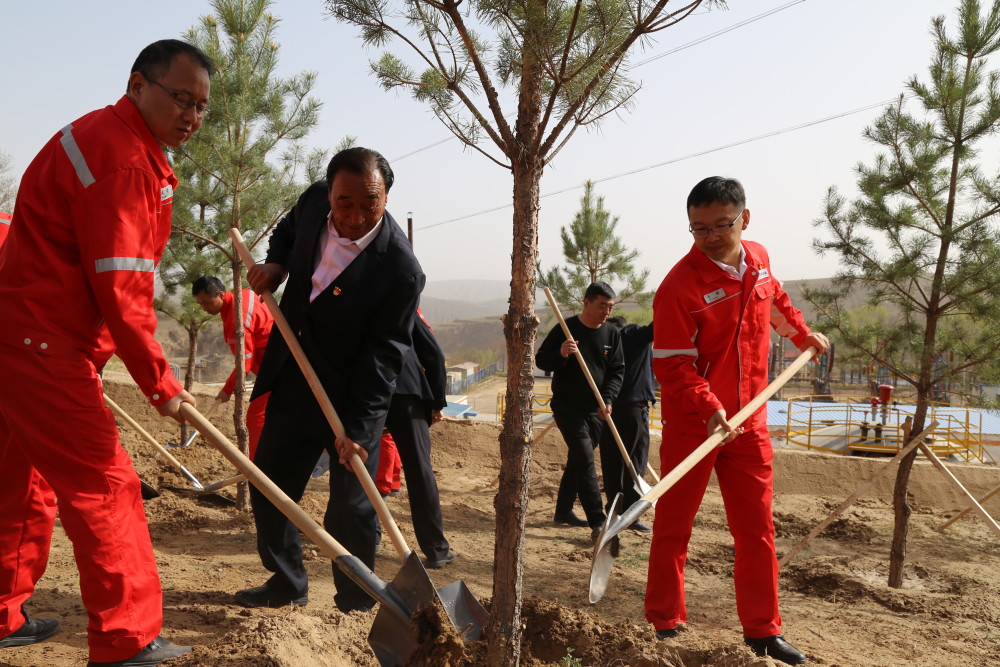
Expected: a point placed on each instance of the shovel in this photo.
(194, 433)
(640, 484)
(392, 634)
(604, 547)
(151, 440)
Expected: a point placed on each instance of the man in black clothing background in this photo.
(416, 404)
(574, 406)
(631, 417)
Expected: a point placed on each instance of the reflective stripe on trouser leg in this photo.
(100, 506)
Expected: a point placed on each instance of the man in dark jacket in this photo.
(631, 417)
(574, 406)
(352, 293)
(416, 405)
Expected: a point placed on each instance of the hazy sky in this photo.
(812, 60)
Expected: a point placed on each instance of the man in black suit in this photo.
(417, 403)
(351, 296)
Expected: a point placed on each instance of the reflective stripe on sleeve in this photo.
(249, 320)
(781, 323)
(123, 264)
(76, 157)
(4, 221)
(663, 354)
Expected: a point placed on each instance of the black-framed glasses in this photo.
(183, 101)
(718, 230)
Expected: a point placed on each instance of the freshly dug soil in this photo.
(836, 605)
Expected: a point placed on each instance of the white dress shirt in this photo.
(336, 253)
(732, 271)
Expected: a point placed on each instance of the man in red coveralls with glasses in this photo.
(712, 317)
(214, 299)
(91, 221)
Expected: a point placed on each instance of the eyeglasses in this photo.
(718, 230)
(183, 101)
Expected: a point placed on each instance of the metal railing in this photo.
(837, 425)
(541, 409)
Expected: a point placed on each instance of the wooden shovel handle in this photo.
(593, 387)
(388, 523)
(719, 435)
(124, 416)
(285, 505)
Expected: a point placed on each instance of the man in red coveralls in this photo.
(257, 321)
(5, 219)
(92, 218)
(712, 316)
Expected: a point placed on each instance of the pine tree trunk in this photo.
(511, 501)
(897, 554)
(239, 391)
(520, 324)
(192, 332)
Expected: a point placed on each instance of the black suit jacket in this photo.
(357, 332)
(423, 371)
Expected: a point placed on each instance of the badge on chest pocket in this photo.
(712, 297)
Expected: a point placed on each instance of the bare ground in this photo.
(835, 602)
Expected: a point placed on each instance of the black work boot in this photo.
(155, 652)
(776, 647)
(32, 631)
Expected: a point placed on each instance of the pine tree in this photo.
(593, 252)
(565, 66)
(245, 161)
(922, 235)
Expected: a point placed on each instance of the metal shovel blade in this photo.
(184, 445)
(392, 635)
(607, 544)
(642, 486)
(207, 495)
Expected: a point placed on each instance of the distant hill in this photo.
(473, 291)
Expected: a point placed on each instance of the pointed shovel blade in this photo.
(392, 634)
(606, 546)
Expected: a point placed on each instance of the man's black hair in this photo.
(717, 189)
(618, 321)
(361, 161)
(154, 60)
(599, 289)
(209, 285)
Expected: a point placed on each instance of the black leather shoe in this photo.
(32, 631)
(615, 547)
(569, 519)
(667, 633)
(639, 527)
(155, 652)
(776, 647)
(437, 563)
(264, 596)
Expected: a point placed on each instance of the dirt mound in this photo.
(291, 638)
(834, 594)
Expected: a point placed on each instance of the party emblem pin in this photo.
(336, 291)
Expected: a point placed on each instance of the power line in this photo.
(679, 159)
(688, 45)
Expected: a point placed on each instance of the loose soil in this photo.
(835, 603)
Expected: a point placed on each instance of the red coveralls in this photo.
(93, 217)
(710, 347)
(257, 322)
(390, 465)
(5, 219)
